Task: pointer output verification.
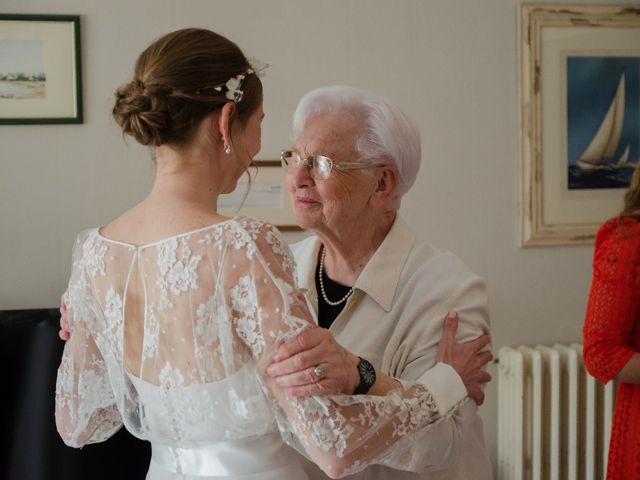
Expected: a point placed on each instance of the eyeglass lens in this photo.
(318, 165)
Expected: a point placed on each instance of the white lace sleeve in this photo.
(85, 406)
(343, 434)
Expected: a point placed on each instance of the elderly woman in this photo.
(380, 292)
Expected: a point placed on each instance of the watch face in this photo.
(367, 376)
(368, 373)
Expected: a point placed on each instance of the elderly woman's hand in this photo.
(65, 321)
(467, 359)
(313, 363)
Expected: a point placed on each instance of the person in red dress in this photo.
(612, 329)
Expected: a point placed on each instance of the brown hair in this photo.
(173, 87)
(632, 197)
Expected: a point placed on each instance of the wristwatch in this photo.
(367, 376)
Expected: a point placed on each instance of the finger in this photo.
(297, 363)
(448, 340)
(475, 392)
(480, 342)
(304, 341)
(304, 377)
(484, 377)
(66, 320)
(327, 351)
(450, 325)
(325, 387)
(483, 358)
(63, 335)
(479, 397)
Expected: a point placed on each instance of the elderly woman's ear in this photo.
(386, 186)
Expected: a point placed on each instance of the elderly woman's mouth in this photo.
(306, 201)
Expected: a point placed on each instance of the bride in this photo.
(175, 310)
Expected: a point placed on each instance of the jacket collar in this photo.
(381, 274)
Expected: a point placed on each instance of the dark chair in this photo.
(30, 448)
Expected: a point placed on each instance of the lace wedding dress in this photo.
(170, 339)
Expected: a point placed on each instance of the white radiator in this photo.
(554, 419)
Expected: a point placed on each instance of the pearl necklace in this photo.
(324, 294)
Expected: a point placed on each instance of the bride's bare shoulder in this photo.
(141, 224)
(125, 226)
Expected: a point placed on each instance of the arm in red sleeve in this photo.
(614, 302)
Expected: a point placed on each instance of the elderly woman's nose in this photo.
(302, 174)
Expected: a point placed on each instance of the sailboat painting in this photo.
(603, 121)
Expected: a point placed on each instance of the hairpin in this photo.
(233, 86)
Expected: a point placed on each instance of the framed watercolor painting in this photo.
(40, 74)
(580, 117)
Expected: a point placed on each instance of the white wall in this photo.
(451, 63)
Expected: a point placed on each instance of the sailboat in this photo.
(599, 153)
(624, 158)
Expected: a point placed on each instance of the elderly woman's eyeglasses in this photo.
(319, 166)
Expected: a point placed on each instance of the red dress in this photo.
(612, 335)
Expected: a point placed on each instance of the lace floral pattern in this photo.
(170, 377)
(282, 250)
(244, 304)
(204, 311)
(176, 275)
(151, 334)
(93, 251)
(113, 314)
(206, 328)
(182, 275)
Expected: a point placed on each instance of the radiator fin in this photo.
(554, 419)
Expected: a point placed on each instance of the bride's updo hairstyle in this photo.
(178, 80)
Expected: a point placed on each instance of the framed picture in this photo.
(40, 75)
(580, 117)
(265, 199)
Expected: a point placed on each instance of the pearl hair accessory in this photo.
(324, 295)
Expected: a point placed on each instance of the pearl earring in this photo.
(227, 149)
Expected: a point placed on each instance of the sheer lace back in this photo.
(179, 316)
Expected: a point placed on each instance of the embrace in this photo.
(358, 351)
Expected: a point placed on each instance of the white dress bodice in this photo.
(262, 455)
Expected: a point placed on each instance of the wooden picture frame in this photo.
(266, 199)
(559, 206)
(40, 75)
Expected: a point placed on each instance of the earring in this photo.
(227, 149)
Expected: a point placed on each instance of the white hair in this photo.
(387, 136)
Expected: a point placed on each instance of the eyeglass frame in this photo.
(308, 163)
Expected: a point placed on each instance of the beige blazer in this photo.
(394, 319)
